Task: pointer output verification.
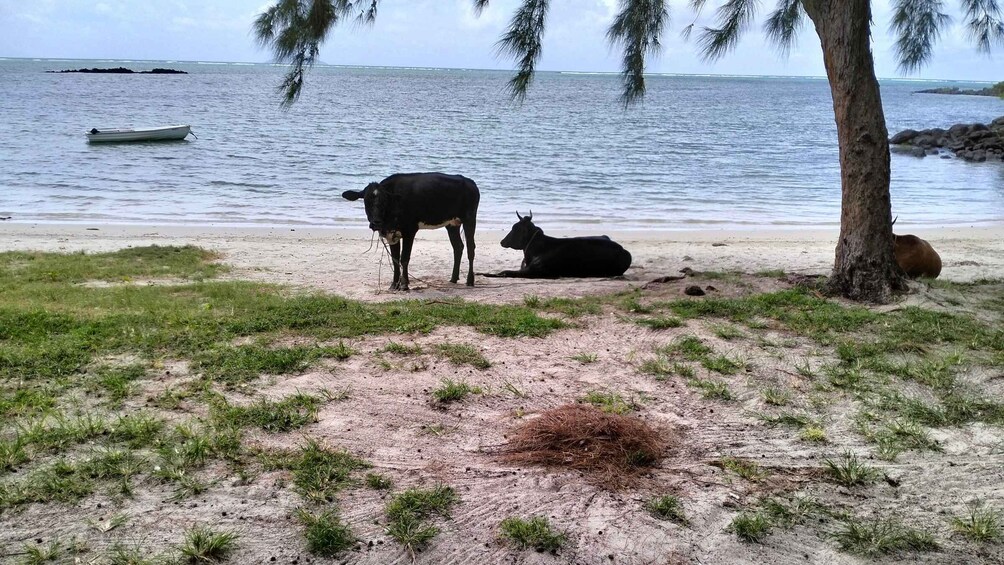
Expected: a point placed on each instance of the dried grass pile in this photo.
(609, 449)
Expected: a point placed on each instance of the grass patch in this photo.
(715, 390)
(318, 473)
(50, 328)
(453, 391)
(203, 544)
(377, 481)
(728, 332)
(463, 354)
(660, 322)
(744, 468)
(290, 413)
(35, 554)
(667, 507)
(885, 536)
(797, 309)
(689, 347)
(326, 534)
(241, 364)
(723, 364)
(981, 524)
(776, 396)
(849, 471)
(408, 514)
(118, 383)
(813, 434)
(609, 402)
(750, 527)
(186, 262)
(535, 533)
(584, 358)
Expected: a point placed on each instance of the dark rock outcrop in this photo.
(972, 142)
(124, 71)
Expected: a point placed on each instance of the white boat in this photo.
(139, 134)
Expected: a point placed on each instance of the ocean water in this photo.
(700, 152)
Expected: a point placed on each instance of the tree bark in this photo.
(865, 266)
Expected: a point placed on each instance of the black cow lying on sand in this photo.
(553, 257)
(400, 205)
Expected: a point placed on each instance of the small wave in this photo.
(242, 184)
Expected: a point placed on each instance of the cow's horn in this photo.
(530, 215)
(518, 216)
(894, 220)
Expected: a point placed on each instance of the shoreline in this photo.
(351, 263)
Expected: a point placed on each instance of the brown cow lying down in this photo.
(916, 257)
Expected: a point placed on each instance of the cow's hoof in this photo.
(454, 281)
(470, 283)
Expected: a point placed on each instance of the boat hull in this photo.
(166, 133)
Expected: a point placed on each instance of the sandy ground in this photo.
(352, 264)
(387, 417)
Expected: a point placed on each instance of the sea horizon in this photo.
(500, 70)
(701, 152)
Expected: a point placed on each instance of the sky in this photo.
(436, 33)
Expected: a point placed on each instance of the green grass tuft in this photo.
(408, 512)
(453, 391)
(776, 396)
(203, 544)
(463, 354)
(609, 402)
(290, 413)
(326, 534)
(723, 364)
(849, 471)
(535, 533)
(750, 527)
(377, 481)
(584, 358)
(318, 473)
(660, 322)
(885, 536)
(744, 468)
(36, 554)
(716, 390)
(667, 507)
(813, 434)
(982, 524)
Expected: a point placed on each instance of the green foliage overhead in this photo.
(295, 29)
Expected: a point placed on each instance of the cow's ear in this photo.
(353, 194)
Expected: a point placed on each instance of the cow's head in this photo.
(522, 233)
(378, 200)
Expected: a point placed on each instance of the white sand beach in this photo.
(352, 263)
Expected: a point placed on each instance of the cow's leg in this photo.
(395, 258)
(407, 241)
(458, 251)
(469, 236)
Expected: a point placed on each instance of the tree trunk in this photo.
(865, 267)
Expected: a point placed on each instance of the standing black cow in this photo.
(400, 205)
(553, 257)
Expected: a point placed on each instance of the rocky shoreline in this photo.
(123, 71)
(972, 142)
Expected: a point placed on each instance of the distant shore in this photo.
(123, 71)
(350, 262)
